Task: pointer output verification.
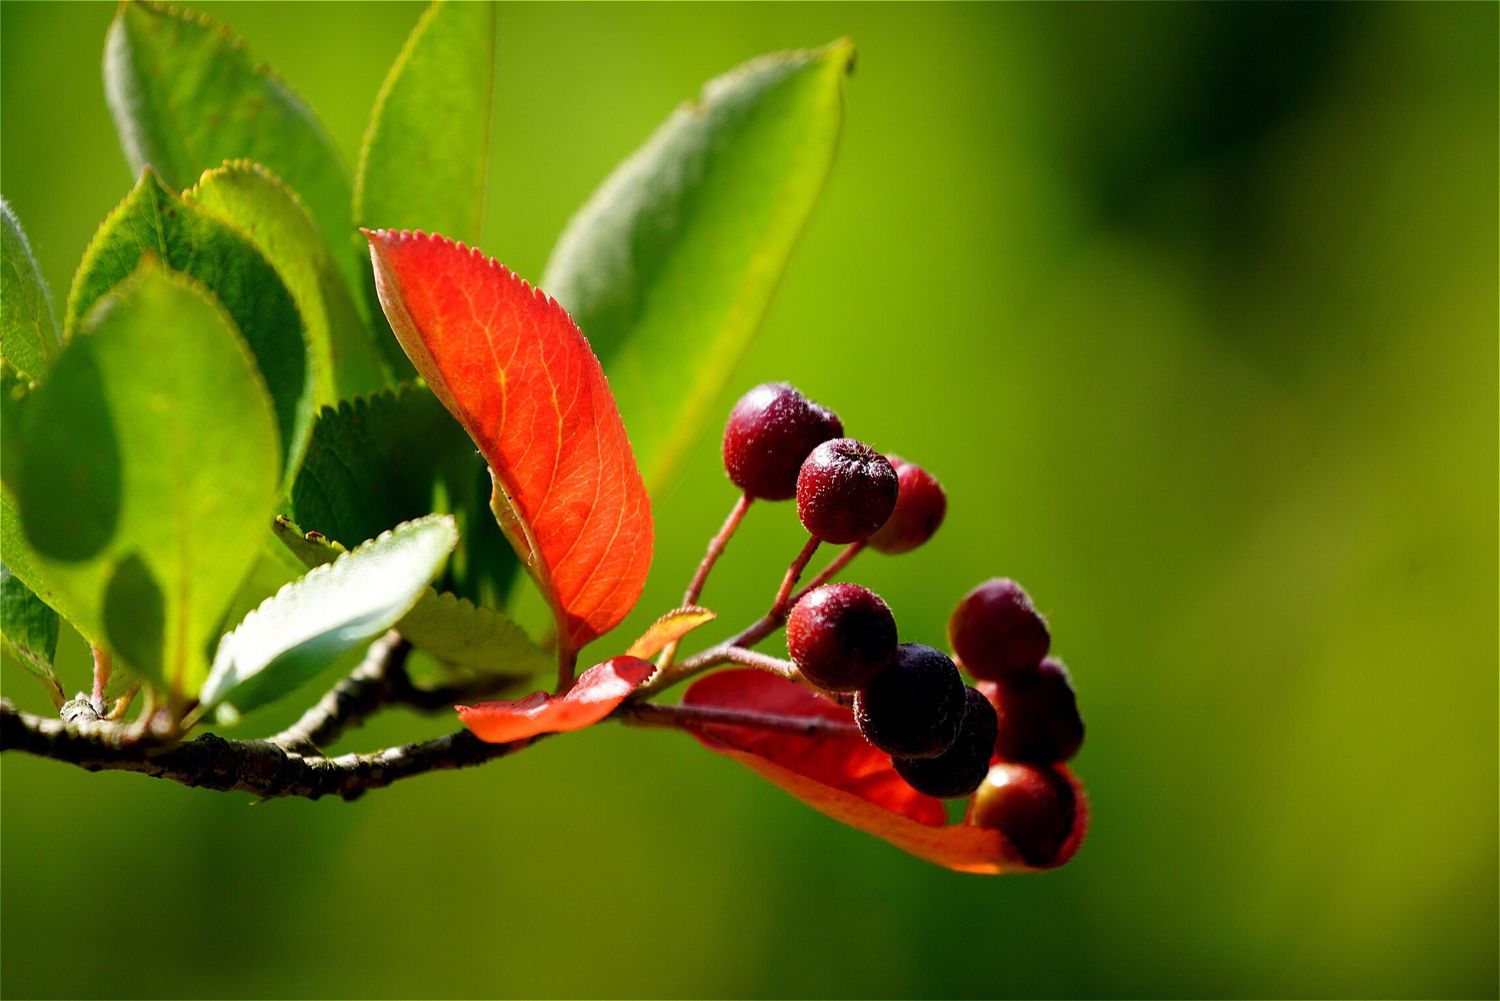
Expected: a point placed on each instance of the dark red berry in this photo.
(920, 506)
(913, 708)
(771, 429)
(1034, 808)
(1039, 721)
(841, 636)
(958, 770)
(845, 491)
(996, 632)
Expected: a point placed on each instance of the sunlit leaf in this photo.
(669, 629)
(670, 266)
(187, 238)
(186, 96)
(521, 379)
(306, 625)
(841, 776)
(28, 628)
(150, 460)
(426, 154)
(347, 360)
(449, 627)
(598, 691)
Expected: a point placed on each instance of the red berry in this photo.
(1034, 808)
(920, 506)
(996, 632)
(770, 431)
(913, 708)
(841, 636)
(1039, 721)
(958, 770)
(845, 491)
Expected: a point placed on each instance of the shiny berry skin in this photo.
(845, 491)
(841, 636)
(770, 431)
(913, 708)
(1039, 720)
(920, 506)
(1034, 808)
(958, 770)
(996, 632)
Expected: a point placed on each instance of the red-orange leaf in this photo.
(846, 778)
(516, 372)
(598, 691)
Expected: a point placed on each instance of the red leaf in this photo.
(847, 779)
(595, 695)
(517, 373)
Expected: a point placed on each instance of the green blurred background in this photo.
(1193, 309)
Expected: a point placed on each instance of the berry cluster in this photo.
(1002, 738)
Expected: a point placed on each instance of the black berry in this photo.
(996, 632)
(845, 491)
(841, 636)
(1039, 721)
(913, 708)
(1034, 808)
(920, 506)
(958, 770)
(771, 429)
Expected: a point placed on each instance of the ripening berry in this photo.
(920, 506)
(913, 708)
(996, 632)
(958, 770)
(1034, 808)
(1039, 720)
(841, 636)
(845, 491)
(770, 431)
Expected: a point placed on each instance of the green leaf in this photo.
(426, 152)
(670, 266)
(449, 627)
(396, 455)
(152, 219)
(259, 204)
(186, 96)
(28, 344)
(28, 332)
(28, 628)
(332, 609)
(149, 464)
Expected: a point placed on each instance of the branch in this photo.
(260, 767)
(288, 764)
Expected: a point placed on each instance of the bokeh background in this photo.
(1193, 309)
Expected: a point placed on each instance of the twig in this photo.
(379, 681)
(783, 602)
(698, 717)
(259, 767)
(831, 571)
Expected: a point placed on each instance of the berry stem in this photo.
(716, 549)
(831, 571)
(101, 677)
(783, 602)
(698, 717)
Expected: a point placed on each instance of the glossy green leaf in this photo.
(332, 609)
(260, 205)
(186, 96)
(150, 461)
(670, 266)
(451, 628)
(396, 455)
(29, 342)
(426, 152)
(187, 238)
